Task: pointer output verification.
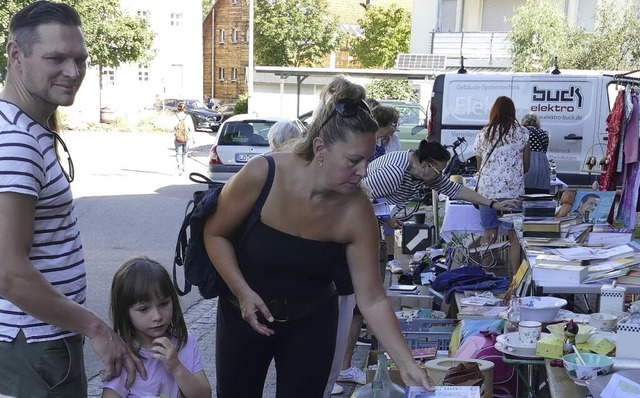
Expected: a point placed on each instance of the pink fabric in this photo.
(160, 382)
(631, 134)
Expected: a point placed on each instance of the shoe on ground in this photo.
(337, 389)
(352, 375)
(394, 267)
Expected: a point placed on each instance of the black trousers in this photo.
(303, 352)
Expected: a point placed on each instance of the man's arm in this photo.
(24, 286)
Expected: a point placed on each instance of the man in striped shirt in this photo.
(42, 270)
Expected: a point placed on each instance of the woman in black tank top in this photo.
(280, 295)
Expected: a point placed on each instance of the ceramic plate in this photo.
(509, 343)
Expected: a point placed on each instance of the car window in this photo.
(409, 115)
(247, 132)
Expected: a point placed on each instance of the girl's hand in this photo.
(394, 223)
(164, 350)
(255, 313)
(416, 376)
(507, 205)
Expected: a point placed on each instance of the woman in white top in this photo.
(503, 155)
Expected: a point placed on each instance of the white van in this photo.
(572, 107)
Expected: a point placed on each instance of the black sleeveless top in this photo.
(280, 265)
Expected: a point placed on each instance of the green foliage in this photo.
(387, 32)
(540, 32)
(392, 89)
(206, 7)
(112, 37)
(242, 105)
(293, 32)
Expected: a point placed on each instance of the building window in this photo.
(108, 76)
(176, 19)
(221, 74)
(234, 74)
(222, 36)
(246, 36)
(234, 35)
(234, 1)
(143, 73)
(144, 14)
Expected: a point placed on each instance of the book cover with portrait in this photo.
(598, 204)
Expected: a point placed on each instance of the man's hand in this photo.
(115, 354)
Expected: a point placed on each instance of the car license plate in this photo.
(245, 157)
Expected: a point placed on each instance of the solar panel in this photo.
(421, 61)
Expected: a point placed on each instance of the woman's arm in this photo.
(362, 256)
(472, 196)
(234, 205)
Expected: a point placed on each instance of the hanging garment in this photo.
(629, 199)
(632, 134)
(614, 124)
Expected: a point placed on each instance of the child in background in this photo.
(146, 313)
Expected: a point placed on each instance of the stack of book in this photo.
(547, 227)
(555, 268)
(538, 208)
(586, 265)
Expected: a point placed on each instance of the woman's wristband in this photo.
(493, 202)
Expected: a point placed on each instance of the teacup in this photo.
(529, 333)
(603, 321)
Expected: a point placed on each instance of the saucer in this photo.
(509, 343)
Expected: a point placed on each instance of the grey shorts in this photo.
(45, 369)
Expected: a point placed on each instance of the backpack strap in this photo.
(267, 185)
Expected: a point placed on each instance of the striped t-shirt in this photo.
(29, 166)
(389, 177)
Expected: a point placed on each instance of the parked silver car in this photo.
(240, 138)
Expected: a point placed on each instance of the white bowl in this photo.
(540, 308)
(584, 332)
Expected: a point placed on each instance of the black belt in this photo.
(293, 309)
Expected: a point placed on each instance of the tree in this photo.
(206, 7)
(387, 32)
(293, 32)
(112, 37)
(392, 89)
(541, 32)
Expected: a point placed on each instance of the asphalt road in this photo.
(130, 202)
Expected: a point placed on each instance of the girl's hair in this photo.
(502, 118)
(143, 279)
(180, 107)
(332, 126)
(281, 133)
(385, 115)
(530, 119)
(432, 150)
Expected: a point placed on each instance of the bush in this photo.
(242, 105)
